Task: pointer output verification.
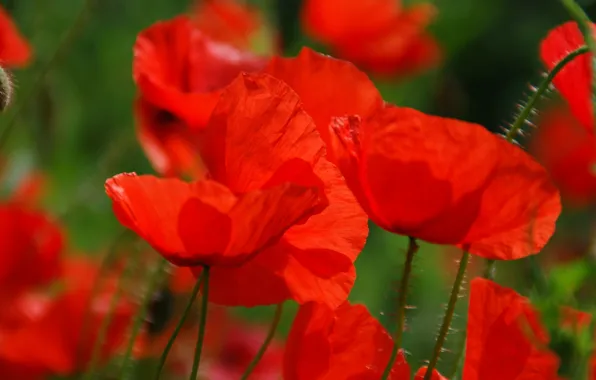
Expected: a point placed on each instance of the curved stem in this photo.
(155, 280)
(546, 82)
(202, 323)
(185, 314)
(586, 26)
(401, 305)
(459, 278)
(265, 345)
(91, 372)
(71, 33)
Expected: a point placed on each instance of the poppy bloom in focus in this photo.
(52, 336)
(390, 40)
(260, 217)
(14, 49)
(505, 337)
(447, 182)
(574, 81)
(345, 343)
(180, 73)
(568, 152)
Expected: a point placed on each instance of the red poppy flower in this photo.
(227, 21)
(389, 40)
(259, 137)
(179, 72)
(574, 81)
(312, 261)
(568, 152)
(52, 334)
(30, 248)
(204, 223)
(447, 182)
(346, 343)
(505, 337)
(14, 49)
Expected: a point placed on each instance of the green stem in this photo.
(268, 339)
(542, 88)
(68, 38)
(202, 323)
(91, 372)
(586, 26)
(459, 359)
(401, 305)
(459, 278)
(128, 367)
(185, 314)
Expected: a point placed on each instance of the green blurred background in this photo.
(79, 129)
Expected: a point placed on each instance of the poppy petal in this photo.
(327, 86)
(179, 69)
(257, 219)
(505, 339)
(574, 80)
(151, 207)
(447, 182)
(312, 262)
(257, 126)
(346, 343)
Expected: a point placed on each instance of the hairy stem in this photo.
(459, 278)
(401, 305)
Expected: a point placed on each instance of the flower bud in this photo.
(5, 89)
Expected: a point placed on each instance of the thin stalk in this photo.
(489, 270)
(185, 314)
(92, 372)
(586, 26)
(459, 359)
(459, 278)
(401, 305)
(542, 88)
(128, 367)
(265, 345)
(202, 323)
(68, 38)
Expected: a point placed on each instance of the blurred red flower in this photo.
(259, 143)
(56, 333)
(180, 73)
(14, 49)
(574, 81)
(389, 40)
(228, 21)
(505, 337)
(345, 343)
(568, 152)
(447, 182)
(30, 250)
